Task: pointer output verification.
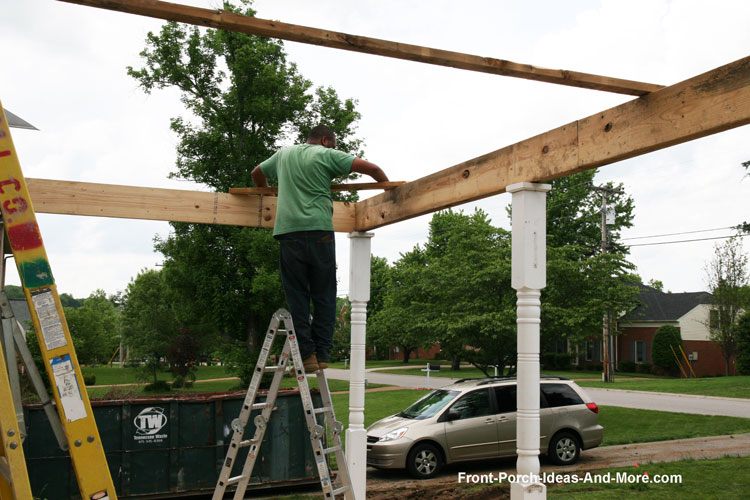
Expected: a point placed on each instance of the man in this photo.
(304, 228)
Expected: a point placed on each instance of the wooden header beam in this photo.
(706, 104)
(131, 202)
(356, 186)
(244, 24)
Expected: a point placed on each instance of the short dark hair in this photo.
(320, 131)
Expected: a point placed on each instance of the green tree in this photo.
(667, 341)
(342, 330)
(380, 275)
(742, 332)
(727, 276)
(95, 328)
(149, 324)
(245, 100)
(404, 319)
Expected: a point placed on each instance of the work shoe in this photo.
(311, 363)
(323, 364)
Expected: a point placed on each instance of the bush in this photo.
(89, 378)
(643, 368)
(627, 366)
(594, 367)
(666, 338)
(181, 382)
(556, 361)
(579, 367)
(158, 386)
(742, 333)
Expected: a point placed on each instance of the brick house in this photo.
(690, 312)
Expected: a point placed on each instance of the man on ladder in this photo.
(304, 228)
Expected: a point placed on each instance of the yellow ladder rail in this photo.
(55, 343)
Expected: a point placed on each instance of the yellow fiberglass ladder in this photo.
(55, 343)
(316, 429)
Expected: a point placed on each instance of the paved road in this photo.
(683, 403)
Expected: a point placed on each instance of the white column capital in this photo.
(528, 186)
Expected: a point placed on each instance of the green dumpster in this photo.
(174, 446)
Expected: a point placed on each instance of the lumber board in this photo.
(355, 186)
(235, 22)
(706, 104)
(133, 202)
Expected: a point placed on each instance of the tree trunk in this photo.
(456, 363)
(407, 354)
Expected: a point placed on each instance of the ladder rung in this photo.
(332, 449)
(322, 409)
(246, 442)
(234, 480)
(270, 369)
(259, 406)
(341, 490)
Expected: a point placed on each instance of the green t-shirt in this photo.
(304, 173)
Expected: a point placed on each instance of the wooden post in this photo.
(528, 277)
(359, 295)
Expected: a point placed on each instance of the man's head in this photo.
(322, 135)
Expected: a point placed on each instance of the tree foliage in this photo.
(149, 323)
(95, 328)
(727, 277)
(244, 100)
(742, 332)
(666, 338)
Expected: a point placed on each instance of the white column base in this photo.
(528, 491)
(356, 457)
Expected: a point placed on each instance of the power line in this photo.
(687, 241)
(677, 234)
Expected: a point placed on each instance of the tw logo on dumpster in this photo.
(148, 423)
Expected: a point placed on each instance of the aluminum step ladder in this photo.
(317, 430)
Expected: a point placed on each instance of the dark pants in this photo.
(308, 273)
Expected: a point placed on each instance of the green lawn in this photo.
(731, 387)
(471, 372)
(715, 479)
(382, 363)
(106, 375)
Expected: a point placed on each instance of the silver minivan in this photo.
(475, 419)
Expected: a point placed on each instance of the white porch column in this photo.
(359, 294)
(529, 276)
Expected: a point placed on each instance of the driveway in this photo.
(682, 403)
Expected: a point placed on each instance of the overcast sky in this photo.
(63, 70)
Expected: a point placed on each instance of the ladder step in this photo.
(341, 490)
(321, 410)
(270, 369)
(234, 480)
(246, 442)
(333, 449)
(259, 406)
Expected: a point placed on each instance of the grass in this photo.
(383, 363)
(730, 387)
(106, 375)
(628, 425)
(714, 479)
(471, 372)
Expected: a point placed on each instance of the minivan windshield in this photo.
(429, 405)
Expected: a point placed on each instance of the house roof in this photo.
(20, 311)
(660, 306)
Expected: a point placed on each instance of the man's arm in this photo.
(365, 167)
(259, 178)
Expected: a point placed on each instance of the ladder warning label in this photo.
(49, 319)
(67, 387)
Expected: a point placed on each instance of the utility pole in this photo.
(608, 361)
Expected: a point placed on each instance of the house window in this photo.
(593, 350)
(639, 351)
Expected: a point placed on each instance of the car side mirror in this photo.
(451, 416)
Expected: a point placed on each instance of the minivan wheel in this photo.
(564, 449)
(423, 461)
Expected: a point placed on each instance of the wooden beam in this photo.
(355, 186)
(131, 202)
(706, 104)
(234, 22)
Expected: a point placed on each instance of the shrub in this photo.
(666, 338)
(579, 367)
(158, 386)
(643, 368)
(89, 378)
(627, 366)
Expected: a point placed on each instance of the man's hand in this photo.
(259, 178)
(365, 167)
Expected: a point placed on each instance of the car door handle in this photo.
(502, 418)
(489, 420)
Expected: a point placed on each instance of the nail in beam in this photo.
(529, 276)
